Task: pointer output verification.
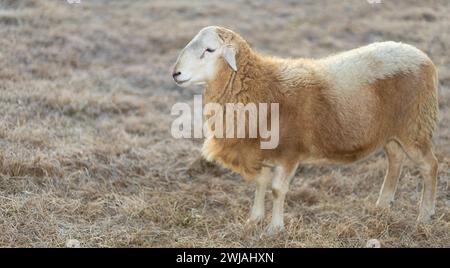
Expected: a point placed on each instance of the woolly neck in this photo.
(248, 84)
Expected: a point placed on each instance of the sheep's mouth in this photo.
(179, 82)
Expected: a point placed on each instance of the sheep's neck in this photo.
(220, 91)
(251, 83)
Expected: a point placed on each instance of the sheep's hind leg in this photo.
(425, 159)
(258, 209)
(280, 186)
(395, 156)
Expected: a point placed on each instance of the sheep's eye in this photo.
(210, 50)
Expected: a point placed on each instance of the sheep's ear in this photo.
(230, 57)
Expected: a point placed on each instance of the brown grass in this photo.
(85, 147)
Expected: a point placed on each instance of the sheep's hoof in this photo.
(425, 216)
(274, 230)
(254, 220)
(385, 203)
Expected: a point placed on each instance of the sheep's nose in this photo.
(175, 74)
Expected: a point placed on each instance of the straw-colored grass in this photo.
(85, 145)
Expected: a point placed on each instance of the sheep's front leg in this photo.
(258, 209)
(280, 186)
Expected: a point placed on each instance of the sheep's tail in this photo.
(430, 107)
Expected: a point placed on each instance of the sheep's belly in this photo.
(339, 159)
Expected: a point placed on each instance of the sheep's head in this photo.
(200, 61)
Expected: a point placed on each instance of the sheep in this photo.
(334, 110)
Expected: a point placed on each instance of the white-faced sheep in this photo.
(335, 110)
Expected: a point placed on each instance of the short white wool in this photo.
(362, 66)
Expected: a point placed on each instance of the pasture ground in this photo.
(85, 145)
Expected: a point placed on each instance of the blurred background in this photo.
(85, 145)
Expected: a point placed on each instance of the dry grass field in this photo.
(85, 145)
